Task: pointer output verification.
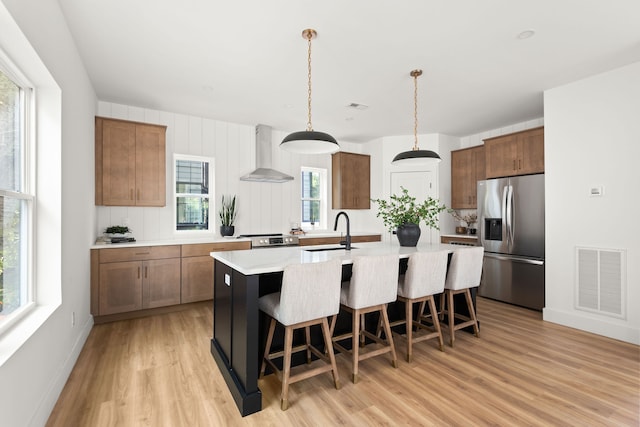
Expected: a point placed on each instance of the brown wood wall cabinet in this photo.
(350, 174)
(519, 153)
(130, 163)
(467, 168)
(128, 282)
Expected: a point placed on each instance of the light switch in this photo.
(596, 191)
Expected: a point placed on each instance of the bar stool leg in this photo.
(436, 322)
(408, 310)
(329, 345)
(272, 328)
(452, 319)
(286, 367)
(355, 344)
(472, 312)
(387, 331)
(307, 333)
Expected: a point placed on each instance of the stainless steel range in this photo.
(271, 240)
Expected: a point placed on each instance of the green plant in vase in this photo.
(227, 215)
(403, 214)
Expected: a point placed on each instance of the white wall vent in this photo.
(601, 281)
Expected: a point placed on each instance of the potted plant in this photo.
(117, 230)
(469, 219)
(403, 215)
(227, 216)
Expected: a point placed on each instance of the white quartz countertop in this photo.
(269, 260)
(462, 236)
(192, 241)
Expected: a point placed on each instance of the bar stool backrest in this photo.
(426, 273)
(374, 281)
(310, 291)
(465, 270)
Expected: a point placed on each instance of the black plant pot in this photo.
(408, 234)
(227, 230)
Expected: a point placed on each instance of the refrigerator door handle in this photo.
(509, 216)
(514, 259)
(505, 195)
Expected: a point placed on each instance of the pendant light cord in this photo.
(309, 126)
(415, 75)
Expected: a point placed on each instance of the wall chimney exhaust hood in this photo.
(263, 172)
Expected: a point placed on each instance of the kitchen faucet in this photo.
(347, 240)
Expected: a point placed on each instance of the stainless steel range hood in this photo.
(263, 172)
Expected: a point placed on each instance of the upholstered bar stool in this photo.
(425, 276)
(373, 284)
(464, 273)
(310, 294)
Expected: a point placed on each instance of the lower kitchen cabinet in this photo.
(131, 279)
(128, 282)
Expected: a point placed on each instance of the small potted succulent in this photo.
(403, 215)
(227, 216)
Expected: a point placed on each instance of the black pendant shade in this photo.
(310, 142)
(416, 157)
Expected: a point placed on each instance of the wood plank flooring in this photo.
(157, 371)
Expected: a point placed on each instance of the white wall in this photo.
(262, 207)
(592, 138)
(32, 376)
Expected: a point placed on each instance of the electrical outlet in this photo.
(73, 319)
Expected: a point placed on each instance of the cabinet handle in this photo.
(142, 253)
(146, 272)
(138, 272)
(138, 198)
(519, 163)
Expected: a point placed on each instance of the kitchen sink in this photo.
(333, 248)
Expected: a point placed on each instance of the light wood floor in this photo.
(158, 371)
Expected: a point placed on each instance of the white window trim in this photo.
(27, 193)
(212, 202)
(322, 224)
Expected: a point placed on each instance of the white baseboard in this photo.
(604, 327)
(42, 413)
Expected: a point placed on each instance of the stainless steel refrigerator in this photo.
(511, 229)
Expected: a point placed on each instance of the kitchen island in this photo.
(241, 277)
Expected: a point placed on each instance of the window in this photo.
(16, 199)
(314, 195)
(192, 190)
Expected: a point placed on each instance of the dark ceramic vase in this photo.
(227, 230)
(408, 234)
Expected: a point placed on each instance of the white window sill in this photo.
(18, 334)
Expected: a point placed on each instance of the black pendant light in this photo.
(309, 141)
(416, 156)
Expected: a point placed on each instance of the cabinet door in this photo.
(501, 156)
(461, 166)
(197, 279)
(150, 166)
(531, 152)
(351, 181)
(120, 287)
(161, 282)
(118, 163)
(478, 160)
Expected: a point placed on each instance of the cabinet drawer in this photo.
(203, 249)
(139, 253)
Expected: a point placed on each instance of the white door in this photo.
(420, 184)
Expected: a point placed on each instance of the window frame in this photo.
(210, 194)
(322, 224)
(25, 192)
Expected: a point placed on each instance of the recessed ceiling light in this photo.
(526, 34)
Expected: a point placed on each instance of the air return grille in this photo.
(601, 281)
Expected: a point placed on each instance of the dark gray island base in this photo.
(240, 329)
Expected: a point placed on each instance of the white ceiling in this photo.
(244, 61)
